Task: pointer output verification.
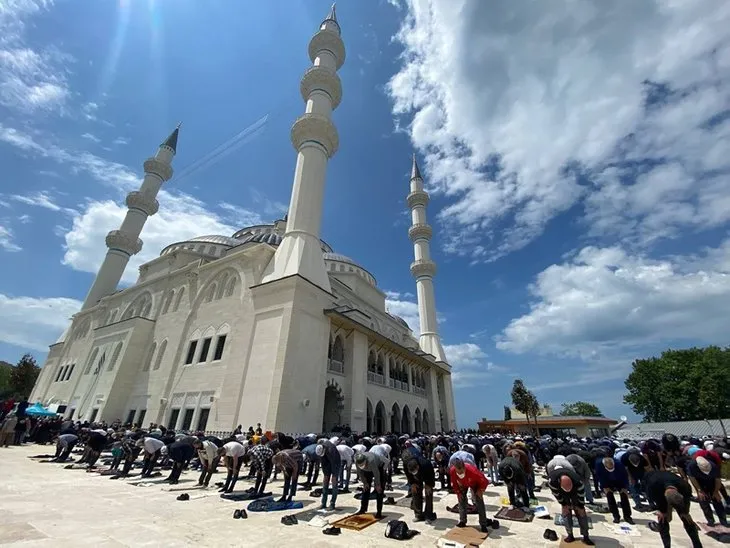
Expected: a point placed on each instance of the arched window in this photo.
(168, 302)
(160, 355)
(231, 286)
(338, 350)
(150, 357)
(115, 356)
(91, 361)
(179, 299)
(211, 293)
(146, 310)
(222, 288)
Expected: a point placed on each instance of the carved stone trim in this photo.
(417, 198)
(327, 40)
(318, 128)
(141, 201)
(423, 267)
(121, 240)
(420, 231)
(161, 169)
(324, 79)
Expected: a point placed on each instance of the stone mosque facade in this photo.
(269, 325)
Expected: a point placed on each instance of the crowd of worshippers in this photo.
(658, 475)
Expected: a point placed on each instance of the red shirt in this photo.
(473, 478)
(710, 455)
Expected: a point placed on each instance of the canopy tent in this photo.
(37, 410)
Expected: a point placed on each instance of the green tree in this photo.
(582, 408)
(24, 375)
(507, 413)
(681, 385)
(5, 371)
(525, 402)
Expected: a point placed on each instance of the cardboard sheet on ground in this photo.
(462, 537)
(559, 521)
(514, 514)
(356, 522)
(308, 515)
(598, 508)
(623, 529)
(271, 505)
(245, 495)
(576, 543)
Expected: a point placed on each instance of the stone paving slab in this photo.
(44, 505)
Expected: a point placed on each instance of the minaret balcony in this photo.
(317, 128)
(423, 268)
(417, 198)
(321, 78)
(116, 239)
(161, 169)
(327, 40)
(420, 231)
(148, 204)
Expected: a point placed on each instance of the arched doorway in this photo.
(395, 419)
(379, 418)
(406, 421)
(417, 420)
(369, 421)
(333, 405)
(426, 426)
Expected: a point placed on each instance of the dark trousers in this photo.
(422, 495)
(689, 527)
(312, 472)
(478, 502)
(177, 468)
(62, 453)
(367, 484)
(708, 505)
(291, 477)
(444, 477)
(232, 475)
(345, 474)
(580, 513)
(625, 504)
(129, 460)
(206, 472)
(520, 488)
(262, 476)
(148, 463)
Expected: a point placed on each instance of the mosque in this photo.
(269, 325)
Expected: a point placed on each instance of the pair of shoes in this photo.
(289, 520)
(550, 535)
(379, 516)
(331, 508)
(419, 517)
(334, 531)
(389, 500)
(432, 517)
(617, 520)
(183, 496)
(630, 521)
(461, 524)
(587, 540)
(569, 538)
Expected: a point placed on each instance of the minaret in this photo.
(315, 139)
(142, 203)
(423, 268)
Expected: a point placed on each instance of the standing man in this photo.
(329, 458)
(705, 478)
(291, 464)
(568, 490)
(491, 458)
(233, 453)
(612, 477)
(371, 471)
(466, 477)
(422, 479)
(667, 491)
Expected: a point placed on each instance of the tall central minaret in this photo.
(423, 268)
(315, 138)
(142, 203)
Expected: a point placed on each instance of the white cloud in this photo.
(121, 141)
(470, 366)
(42, 199)
(523, 110)
(89, 110)
(91, 137)
(180, 217)
(25, 219)
(605, 300)
(6, 240)
(402, 305)
(30, 80)
(31, 322)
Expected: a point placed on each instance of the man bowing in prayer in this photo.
(466, 477)
(331, 464)
(291, 463)
(568, 490)
(422, 480)
(666, 491)
(371, 471)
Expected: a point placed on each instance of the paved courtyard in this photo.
(46, 505)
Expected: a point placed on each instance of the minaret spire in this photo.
(142, 203)
(315, 139)
(423, 268)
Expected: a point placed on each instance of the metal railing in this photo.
(375, 378)
(419, 391)
(336, 366)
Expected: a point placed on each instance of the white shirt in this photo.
(383, 450)
(234, 449)
(359, 448)
(346, 453)
(152, 445)
(208, 452)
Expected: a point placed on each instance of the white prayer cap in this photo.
(704, 465)
(683, 443)
(319, 450)
(313, 436)
(708, 444)
(163, 451)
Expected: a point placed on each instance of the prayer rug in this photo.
(514, 514)
(356, 522)
(244, 496)
(718, 529)
(307, 515)
(559, 521)
(271, 505)
(470, 509)
(622, 529)
(598, 508)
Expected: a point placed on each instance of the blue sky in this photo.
(576, 155)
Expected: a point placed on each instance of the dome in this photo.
(271, 238)
(401, 321)
(215, 239)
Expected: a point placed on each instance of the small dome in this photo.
(216, 239)
(401, 321)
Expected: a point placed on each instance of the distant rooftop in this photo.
(639, 430)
